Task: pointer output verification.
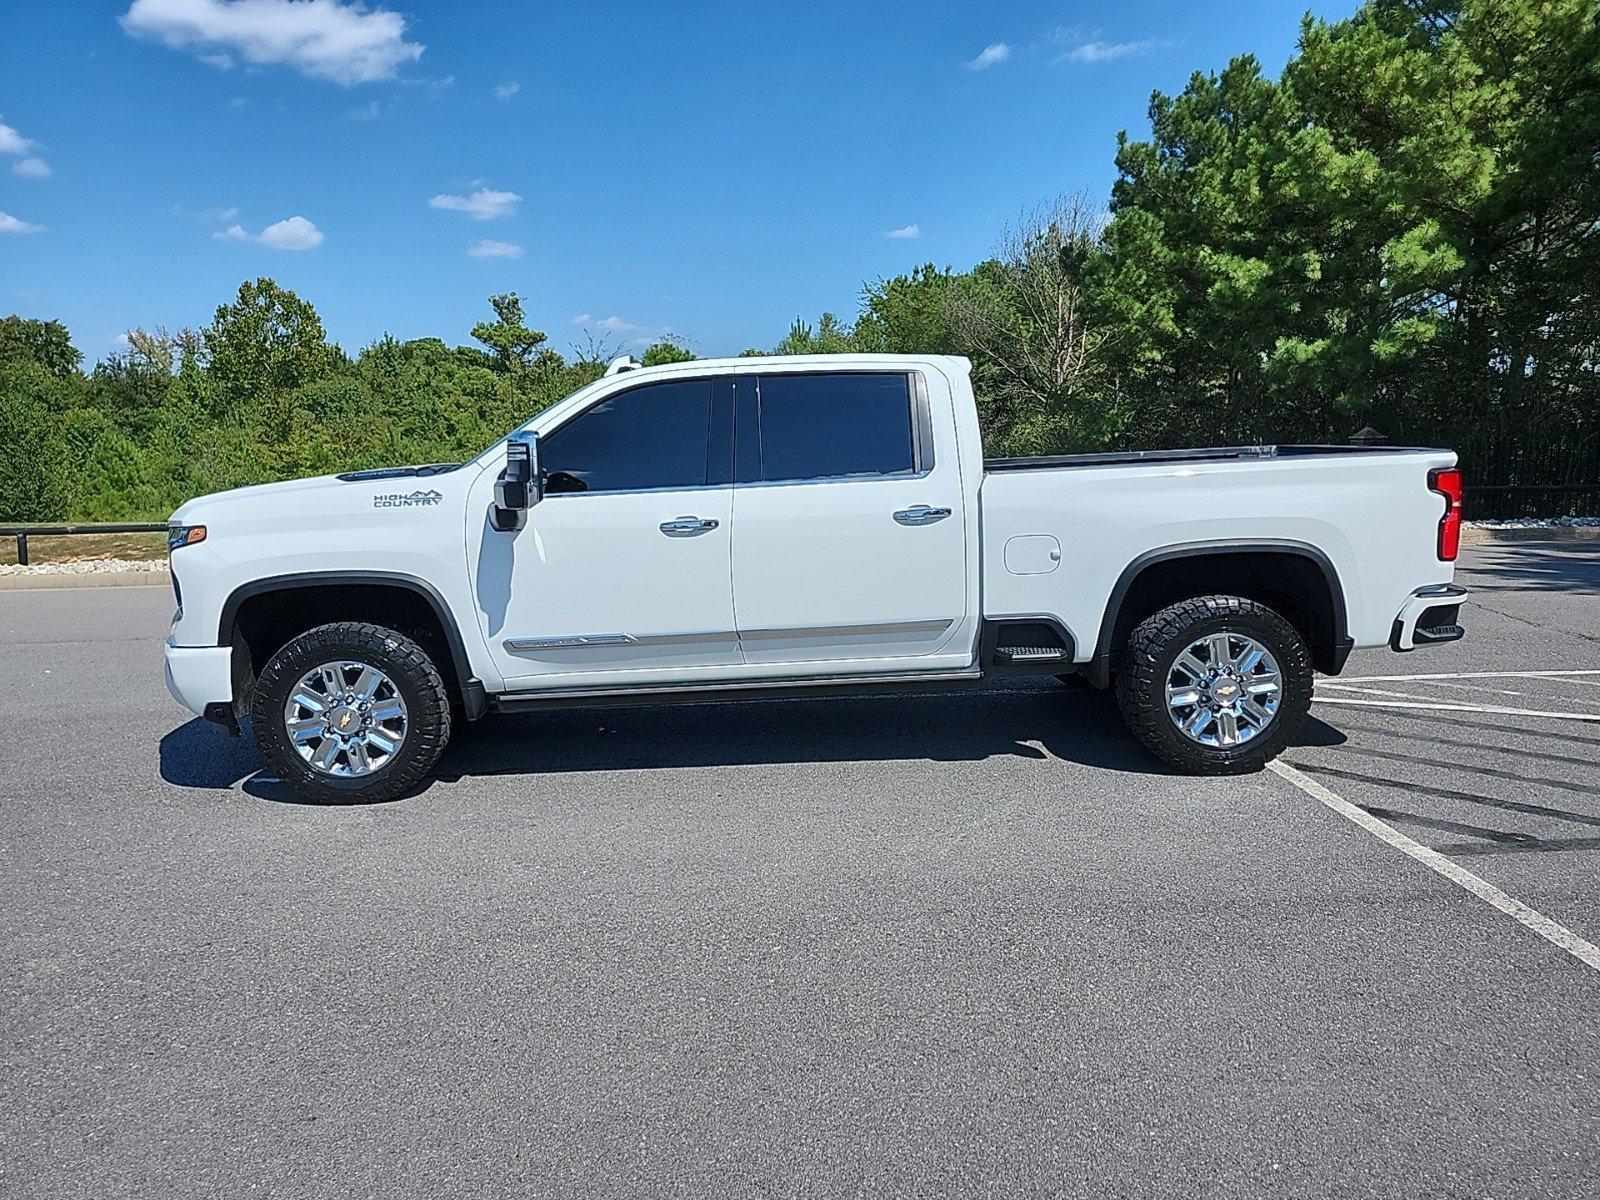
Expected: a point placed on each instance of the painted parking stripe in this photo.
(1585, 952)
(1432, 706)
(1350, 687)
(1474, 675)
(1474, 687)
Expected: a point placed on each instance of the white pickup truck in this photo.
(771, 527)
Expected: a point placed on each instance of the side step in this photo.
(1021, 654)
(1026, 646)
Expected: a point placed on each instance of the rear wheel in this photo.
(1216, 685)
(351, 713)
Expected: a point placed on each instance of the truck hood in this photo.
(328, 495)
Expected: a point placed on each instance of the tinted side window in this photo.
(655, 436)
(826, 426)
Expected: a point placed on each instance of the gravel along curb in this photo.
(1474, 534)
(107, 572)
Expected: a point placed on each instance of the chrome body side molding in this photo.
(576, 641)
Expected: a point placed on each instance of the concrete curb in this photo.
(162, 578)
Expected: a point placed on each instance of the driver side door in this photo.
(623, 573)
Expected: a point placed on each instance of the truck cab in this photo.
(740, 528)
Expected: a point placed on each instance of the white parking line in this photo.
(1350, 687)
(1431, 706)
(1559, 935)
(1473, 675)
(1474, 687)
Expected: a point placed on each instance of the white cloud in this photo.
(295, 233)
(370, 111)
(905, 231)
(485, 204)
(32, 168)
(12, 142)
(346, 43)
(489, 248)
(208, 216)
(507, 90)
(612, 324)
(992, 55)
(1093, 52)
(222, 62)
(10, 224)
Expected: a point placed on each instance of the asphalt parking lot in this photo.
(942, 945)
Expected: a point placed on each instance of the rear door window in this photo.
(836, 426)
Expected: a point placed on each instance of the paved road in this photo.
(970, 945)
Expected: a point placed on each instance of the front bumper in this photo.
(1431, 616)
(200, 677)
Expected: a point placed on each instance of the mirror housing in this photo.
(520, 485)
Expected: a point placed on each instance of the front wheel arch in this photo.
(261, 616)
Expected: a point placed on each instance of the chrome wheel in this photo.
(345, 719)
(1224, 690)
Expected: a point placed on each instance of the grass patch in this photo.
(85, 547)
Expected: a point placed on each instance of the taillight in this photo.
(1447, 482)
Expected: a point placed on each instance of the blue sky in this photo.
(710, 169)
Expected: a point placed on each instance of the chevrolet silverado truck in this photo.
(759, 528)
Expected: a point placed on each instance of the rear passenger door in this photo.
(849, 536)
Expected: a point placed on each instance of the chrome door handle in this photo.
(921, 514)
(688, 526)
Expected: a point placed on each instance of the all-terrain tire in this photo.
(413, 673)
(1148, 660)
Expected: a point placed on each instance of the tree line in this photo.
(1402, 229)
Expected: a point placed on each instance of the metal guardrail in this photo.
(23, 532)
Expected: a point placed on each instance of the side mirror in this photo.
(520, 485)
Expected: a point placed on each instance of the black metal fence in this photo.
(23, 532)
(1530, 473)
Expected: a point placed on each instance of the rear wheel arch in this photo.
(263, 615)
(1295, 579)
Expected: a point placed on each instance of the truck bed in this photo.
(1060, 532)
(1118, 458)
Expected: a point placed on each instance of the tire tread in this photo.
(1142, 701)
(429, 718)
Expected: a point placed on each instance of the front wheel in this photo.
(351, 713)
(1216, 685)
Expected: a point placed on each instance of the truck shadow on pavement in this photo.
(1028, 721)
(1038, 721)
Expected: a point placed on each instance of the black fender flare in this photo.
(1100, 664)
(474, 697)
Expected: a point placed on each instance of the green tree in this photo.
(830, 336)
(1394, 231)
(33, 468)
(267, 341)
(1039, 345)
(514, 346)
(909, 314)
(46, 344)
(668, 349)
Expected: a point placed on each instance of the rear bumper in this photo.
(1430, 617)
(200, 677)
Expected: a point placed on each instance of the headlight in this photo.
(184, 535)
